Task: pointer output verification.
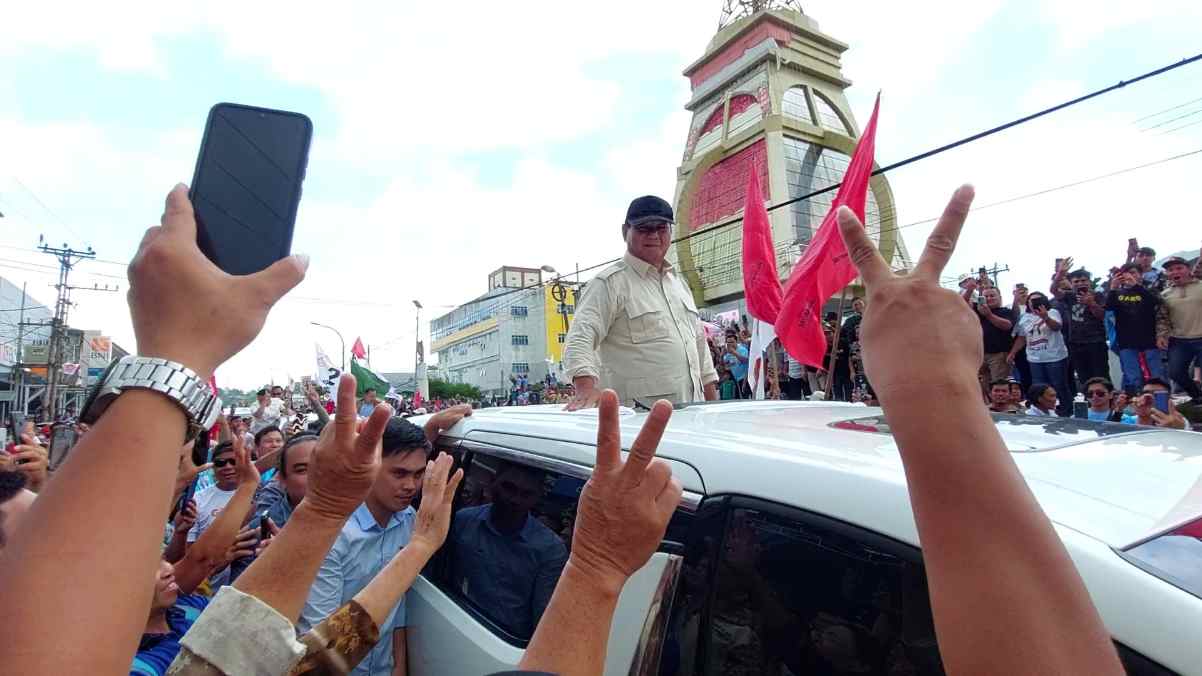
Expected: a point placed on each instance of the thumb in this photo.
(281, 277)
(178, 217)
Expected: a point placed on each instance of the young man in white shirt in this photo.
(1040, 334)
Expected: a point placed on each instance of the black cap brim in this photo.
(649, 219)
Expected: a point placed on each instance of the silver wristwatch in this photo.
(174, 381)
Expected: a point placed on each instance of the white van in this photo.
(794, 550)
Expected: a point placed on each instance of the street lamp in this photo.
(340, 340)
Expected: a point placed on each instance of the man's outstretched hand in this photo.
(625, 507)
(889, 333)
(347, 456)
(180, 301)
(584, 395)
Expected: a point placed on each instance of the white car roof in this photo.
(1117, 484)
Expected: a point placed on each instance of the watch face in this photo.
(87, 414)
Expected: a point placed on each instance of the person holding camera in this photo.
(1040, 334)
(1135, 315)
(1085, 311)
(996, 327)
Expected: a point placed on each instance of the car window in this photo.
(509, 540)
(793, 596)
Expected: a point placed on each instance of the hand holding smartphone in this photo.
(247, 185)
(1160, 400)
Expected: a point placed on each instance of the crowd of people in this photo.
(284, 542)
(1044, 354)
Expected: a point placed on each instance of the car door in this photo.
(475, 607)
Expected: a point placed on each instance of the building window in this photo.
(521, 367)
(520, 340)
(794, 105)
(828, 115)
(564, 308)
(710, 133)
(519, 311)
(562, 338)
(810, 167)
(745, 111)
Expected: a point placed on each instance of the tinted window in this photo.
(793, 597)
(509, 542)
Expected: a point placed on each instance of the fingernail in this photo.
(303, 259)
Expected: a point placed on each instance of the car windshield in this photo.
(1020, 433)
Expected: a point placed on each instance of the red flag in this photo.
(825, 268)
(358, 350)
(761, 281)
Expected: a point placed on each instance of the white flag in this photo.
(762, 335)
(327, 374)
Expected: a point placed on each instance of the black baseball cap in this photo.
(648, 209)
(1174, 260)
(1146, 251)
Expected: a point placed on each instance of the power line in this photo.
(1008, 200)
(1170, 131)
(1172, 119)
(50, 211)
(966, 140)
(1159, 112)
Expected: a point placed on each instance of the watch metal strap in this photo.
(174, 380)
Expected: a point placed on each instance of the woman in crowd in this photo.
(1042, 399)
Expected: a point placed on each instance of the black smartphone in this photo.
(16, 420)
(264, 529)
(1161, 401)
(189, 492)
(247, 185)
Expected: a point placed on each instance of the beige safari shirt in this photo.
(637, 331)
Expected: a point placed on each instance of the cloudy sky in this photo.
(452, 138)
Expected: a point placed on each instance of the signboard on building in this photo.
(97, 353)
(36, 352)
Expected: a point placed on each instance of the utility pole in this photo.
(18, 376)
(992, 271)
(68, 258)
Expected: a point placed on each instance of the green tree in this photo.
(441, 389)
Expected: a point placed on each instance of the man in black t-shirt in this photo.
(1084, 311)
(1135, 309)
(995, 333)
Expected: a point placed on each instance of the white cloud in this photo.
(417, 87)
(1078, 24)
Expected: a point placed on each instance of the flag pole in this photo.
(830, 375)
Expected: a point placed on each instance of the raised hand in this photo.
(438, 491)
(625, 506)
(445, 420)
(31, 459)
(186, 517)
(1173, 419)
(179, 300)
(245, 467)
(888, 332)
(244, 545)
(188, 471)
(347, 456)
(585, 394)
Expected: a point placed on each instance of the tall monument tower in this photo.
(767, 93)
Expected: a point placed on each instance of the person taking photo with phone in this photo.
(1040, 335)
(1135, 310)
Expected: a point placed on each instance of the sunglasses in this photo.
(1094, 394)
(223, 463)
(652, 228)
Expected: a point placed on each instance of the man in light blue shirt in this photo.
(373, 534)
(370, 401)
